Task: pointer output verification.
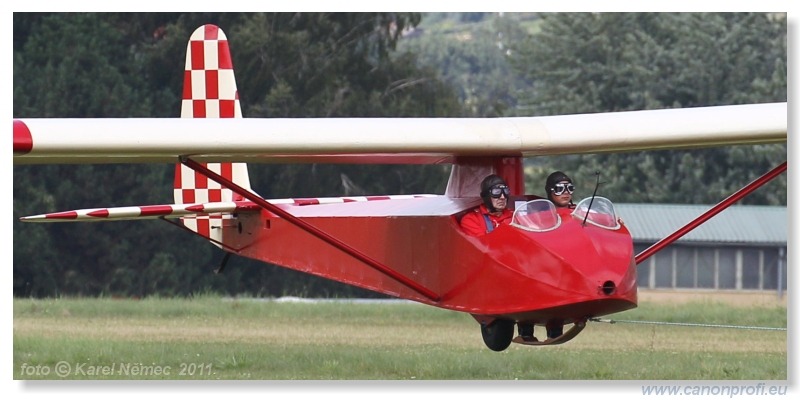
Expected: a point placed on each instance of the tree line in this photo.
(366, 65)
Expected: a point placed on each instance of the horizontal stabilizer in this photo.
(203, 209)
(144, 212)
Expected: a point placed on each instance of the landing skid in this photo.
(566, 336)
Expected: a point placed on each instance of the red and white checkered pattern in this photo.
(209, 91)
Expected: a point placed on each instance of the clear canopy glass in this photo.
(537, 216)
(598, 211)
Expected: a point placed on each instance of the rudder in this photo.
(209, 91)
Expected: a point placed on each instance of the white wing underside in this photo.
(390, 140)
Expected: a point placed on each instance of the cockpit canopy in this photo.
(536, 216)
(601, 213)
(540, 215)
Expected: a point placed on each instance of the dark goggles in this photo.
(498, 190)
(559, 188)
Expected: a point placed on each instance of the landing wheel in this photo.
(498, 334)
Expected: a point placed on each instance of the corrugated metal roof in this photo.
(740, 224)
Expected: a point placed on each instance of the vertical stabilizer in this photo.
(209, 91)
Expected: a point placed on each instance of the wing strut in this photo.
(755, 184)
(310, 229)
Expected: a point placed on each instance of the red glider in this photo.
(548, 268)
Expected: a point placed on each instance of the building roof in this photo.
(739, 224)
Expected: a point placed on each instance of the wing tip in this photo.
(23, 140)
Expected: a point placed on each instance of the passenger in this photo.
(559, 189)
(492, 213)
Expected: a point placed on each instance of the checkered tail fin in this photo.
(209, 91)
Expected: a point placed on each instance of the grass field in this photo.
(210, 338)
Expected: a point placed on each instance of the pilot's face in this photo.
(500, 203)
(499, 194)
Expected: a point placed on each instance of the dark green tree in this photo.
(471, 53)
(130, 65)
(79, 65)
(605, 62)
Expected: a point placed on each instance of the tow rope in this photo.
(609, 321)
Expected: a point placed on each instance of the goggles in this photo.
(559, 188)
(498, 190)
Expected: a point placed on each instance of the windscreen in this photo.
(598, 211)
(536, 216)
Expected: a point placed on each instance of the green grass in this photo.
(214, 338)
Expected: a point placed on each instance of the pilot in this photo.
(559, 189)
(492, 213)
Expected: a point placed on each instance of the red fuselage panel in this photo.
(572, 272)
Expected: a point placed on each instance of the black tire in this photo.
(498, 335)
